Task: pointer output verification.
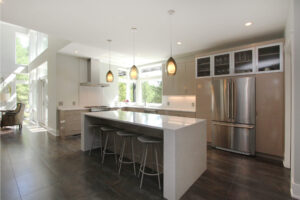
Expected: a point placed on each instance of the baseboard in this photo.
(53, 132)
(286, 163)
(295, 190)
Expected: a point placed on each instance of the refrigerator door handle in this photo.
(233, 125)
(232, 100)
(228, 91)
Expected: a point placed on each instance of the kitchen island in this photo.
(184, 144)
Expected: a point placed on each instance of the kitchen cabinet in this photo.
(203, 102)
(183, 83)
(203, 66)
(222, 64)
(269, 58)
(270, 113)
(69, 122)
(243, 61)
(249, 59)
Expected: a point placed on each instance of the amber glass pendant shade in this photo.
(134, 73)
(109, 77)
(171, 67)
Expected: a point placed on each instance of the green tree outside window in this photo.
(22, 54)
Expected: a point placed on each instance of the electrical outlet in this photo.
(74, 103)
(60, 103)
(168, 103)
(193, 104)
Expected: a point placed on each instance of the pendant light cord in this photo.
(133, 44)
(109, 53)
(171, 39)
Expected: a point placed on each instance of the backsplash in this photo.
(180, 102)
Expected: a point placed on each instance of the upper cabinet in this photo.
(259, 59)
(222, 64)
(183, 82)
(243, 61)
(269, 58)
(203, 67)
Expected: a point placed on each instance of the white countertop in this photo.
(160, 108)
(71, 108)
(147, 119)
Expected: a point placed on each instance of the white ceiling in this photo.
(198, 24)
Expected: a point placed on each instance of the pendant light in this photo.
(171, 65)
(134, 72)
(109, 74)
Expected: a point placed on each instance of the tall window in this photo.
(127, 88)
(22, 49)
(151, 84)
(38, 44)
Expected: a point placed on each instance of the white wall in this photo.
(69, 75)
(295, 141)
(49, 56)
(110, 94)
(71, 71)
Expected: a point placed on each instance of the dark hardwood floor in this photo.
(35, 166)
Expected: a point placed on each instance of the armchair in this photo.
(15, 117)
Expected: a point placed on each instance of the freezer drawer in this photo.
(238, 138)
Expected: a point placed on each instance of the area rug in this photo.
(4, 131)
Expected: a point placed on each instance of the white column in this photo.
(295, 165)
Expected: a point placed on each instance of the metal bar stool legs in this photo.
(126, 136)
(95, 129)
(152, 142)
(105, 148)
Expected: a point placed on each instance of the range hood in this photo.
(93, 74)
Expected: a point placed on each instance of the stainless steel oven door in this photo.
(239, 138)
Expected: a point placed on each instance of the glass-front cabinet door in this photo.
(269, 58)
(243, 61)
(203, 67)
(222, 64)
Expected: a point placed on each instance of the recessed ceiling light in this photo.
(248, 23)
(179, 43)
(76, 52)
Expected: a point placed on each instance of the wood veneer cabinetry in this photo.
(69, 122)
(270, 113)
(203, 102)
(183, 83)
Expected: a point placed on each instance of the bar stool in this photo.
(126, 136)
(96, 129)
(146, 141)
(108, 131)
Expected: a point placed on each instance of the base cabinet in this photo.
(69, 122)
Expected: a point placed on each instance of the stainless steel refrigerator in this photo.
(233, 114)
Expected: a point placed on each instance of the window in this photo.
(151, 84)
(22, 49)
(152, 91)
(147, 89)
(38, 44)
(22, 90)
(127, 88)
